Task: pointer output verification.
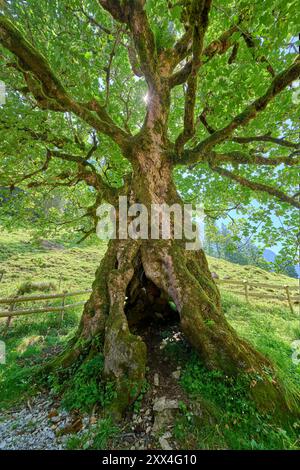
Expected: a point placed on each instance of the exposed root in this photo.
(134, 286)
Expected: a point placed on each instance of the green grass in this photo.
(223, 417)
(226, 418)
(29, 342)
(22, 259)
(100, 437)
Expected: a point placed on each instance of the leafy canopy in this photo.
(78, 76)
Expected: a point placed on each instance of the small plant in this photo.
(85, 389)
(74, 443)
(209, 323)
(105, 431)
(138, 402)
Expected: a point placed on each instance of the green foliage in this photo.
(28, 343)
(229, 418)
(98, 437)
(138, 402)
(78, 40)
(271, 329)
(228, 243)
(84, 389)
(105, 431)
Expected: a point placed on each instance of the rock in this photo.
(167, 435)
(55, 419)
(164, 444)
(176, 374)
(162, 420)
(165, 410)
(156, 380)
(85, 421)
(148, 429)
(163, 403)
(214, 275)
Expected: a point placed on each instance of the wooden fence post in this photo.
(289, 298)
(59, 282)
(246, 285)
(63, 305)
(9, 319)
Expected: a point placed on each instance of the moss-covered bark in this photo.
(117, 303)
(138, 277)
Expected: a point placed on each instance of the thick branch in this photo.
(181, 49)
(48, 90)
(199, 20)
(255, 186)
(265, 138)
(132, 13)
(249, 139)
(219, 46)
(238, 158)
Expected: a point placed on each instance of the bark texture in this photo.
(137, 279)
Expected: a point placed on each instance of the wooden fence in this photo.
(287, 291)
(246, 286)
(34, 298)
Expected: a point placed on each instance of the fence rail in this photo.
(261, 295)
(11, 301)
(255, 284)
(33, 298)
(15, 313)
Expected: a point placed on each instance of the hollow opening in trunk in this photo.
(146, 304)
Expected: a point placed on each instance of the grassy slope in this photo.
(270, 327)
(23, 260)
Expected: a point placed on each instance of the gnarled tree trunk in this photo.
(137, 278)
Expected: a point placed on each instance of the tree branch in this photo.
(199, 21)
(239, 158)
(257, 186)
(48, 90)
(265, 138)
(280, 82)
(132, 13)
(216, 47)
(248, 139)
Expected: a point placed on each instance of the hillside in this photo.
(74, 266)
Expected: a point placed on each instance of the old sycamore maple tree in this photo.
(134, 97)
